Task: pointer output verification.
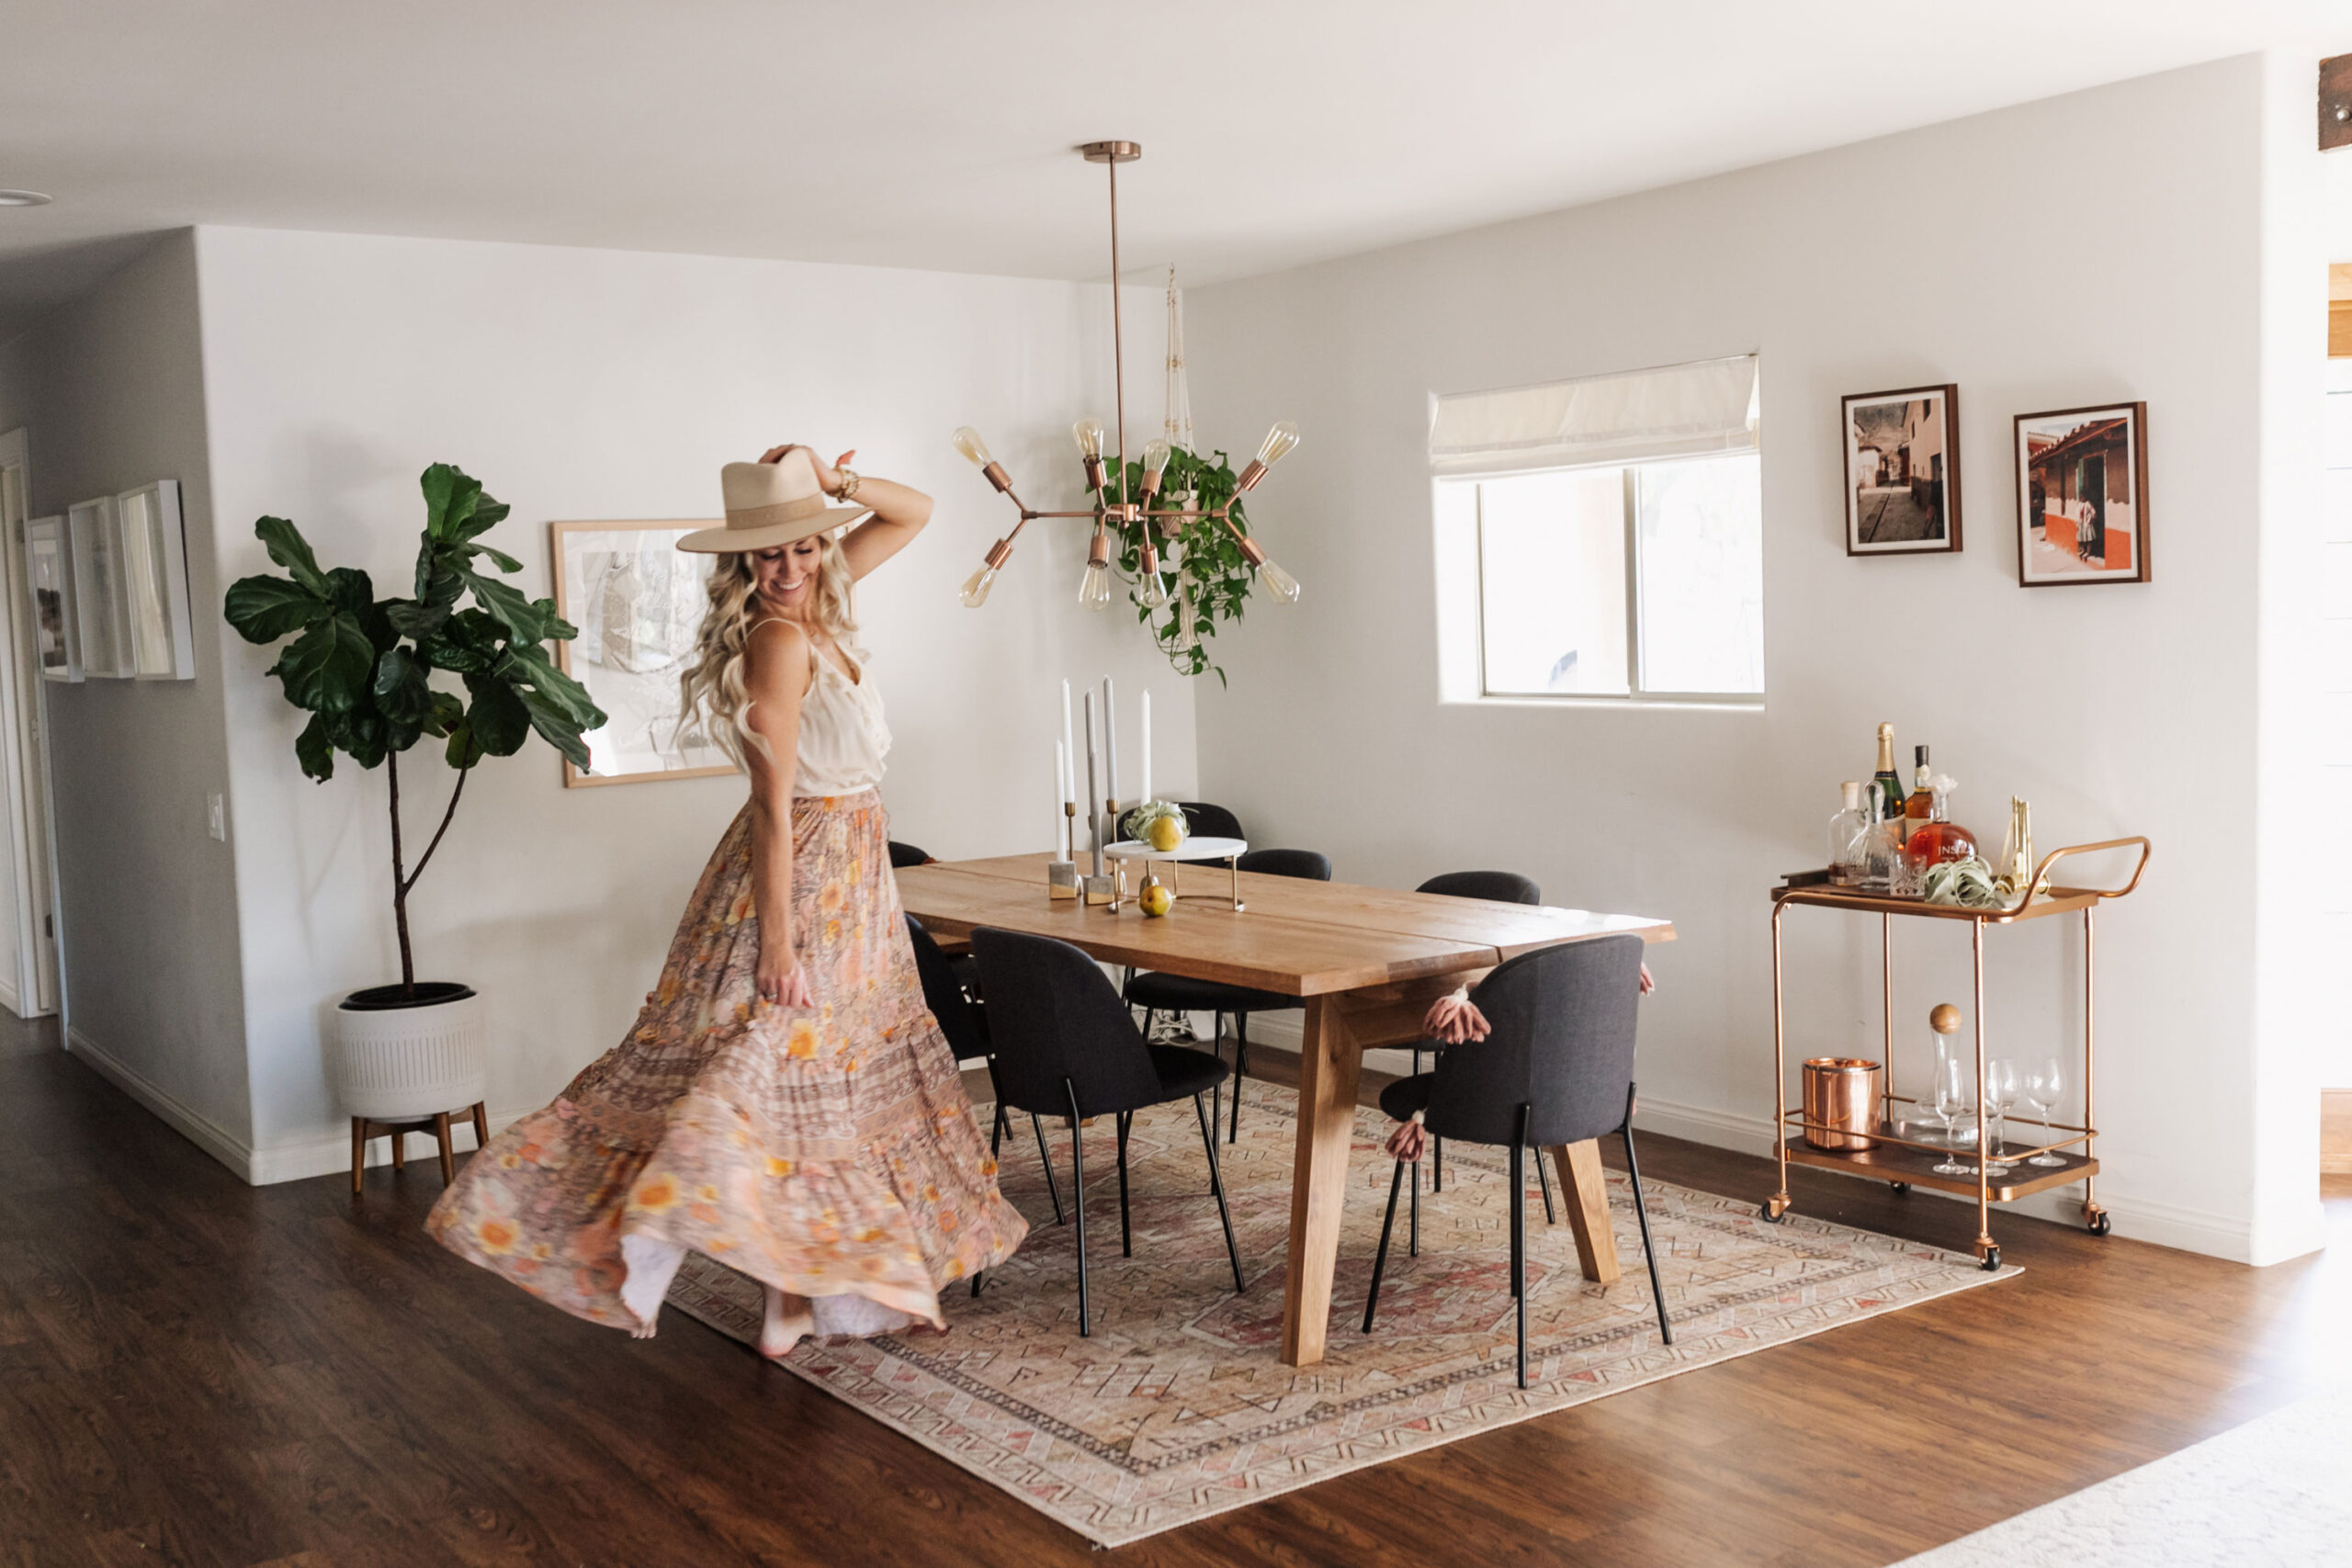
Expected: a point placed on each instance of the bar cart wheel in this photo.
(2096, 1220)
(1991, 1261)
(1775, 1207)
(1900, 1189)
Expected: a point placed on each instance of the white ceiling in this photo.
(936, 134)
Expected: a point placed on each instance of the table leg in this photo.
(1586, 1185)
(1329, 1061)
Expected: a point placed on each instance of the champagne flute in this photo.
(2045, 1088)
(1948, 1096)
(2001, 1082)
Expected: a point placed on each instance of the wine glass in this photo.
(1948, 1096)
(2001, 1089)
(2045, 1087)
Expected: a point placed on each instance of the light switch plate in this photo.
(215, 818)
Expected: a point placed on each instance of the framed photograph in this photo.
(2083, 495)
(1903, 471)
(101, 605)
(638, 600)
(49, 569)
(154, 571)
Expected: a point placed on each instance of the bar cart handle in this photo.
(2041, 871)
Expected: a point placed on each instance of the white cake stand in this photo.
(1194, 849)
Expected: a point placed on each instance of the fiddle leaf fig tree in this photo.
(363, 667)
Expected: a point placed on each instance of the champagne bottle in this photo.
(1890, 787)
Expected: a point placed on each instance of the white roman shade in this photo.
(1675, 411)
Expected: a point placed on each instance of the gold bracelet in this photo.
(849, 484)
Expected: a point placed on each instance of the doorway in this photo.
(27, 907)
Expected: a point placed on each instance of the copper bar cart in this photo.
(1907, 1162)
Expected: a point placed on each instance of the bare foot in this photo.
(643, 1327)
(781, 1329)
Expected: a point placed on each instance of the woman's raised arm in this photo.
(900, 511)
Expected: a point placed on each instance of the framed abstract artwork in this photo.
(49, 571)
(1902, 457)
(101, 605)
(155, 572)
(2083, 495)
(638, 600)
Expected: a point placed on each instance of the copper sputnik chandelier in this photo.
(1095, 589)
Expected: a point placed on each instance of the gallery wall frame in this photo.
(1900, 453)
(49, 572)
(639, 601)
(101, 603)
(155, 566)
(2082, 477)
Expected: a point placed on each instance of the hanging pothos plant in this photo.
(1202, 571)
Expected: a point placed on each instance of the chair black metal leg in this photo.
(1052, 1186)
(1078, 1201)
(1519, 1236)
(1216, 1190)
(1241, 1066)
(1544, 1181)
(1413, 1236)
(1380, 1259)
(1126, 1232)
(1633, 1174)
(996, 1134)
(1437, 1165)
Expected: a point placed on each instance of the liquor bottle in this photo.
(1883, 844)
(1920, 808)
(1850, 833)
(1889, 798)
(1939, 839)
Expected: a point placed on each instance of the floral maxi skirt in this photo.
(827, 1150)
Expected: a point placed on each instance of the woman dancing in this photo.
(785, 1103)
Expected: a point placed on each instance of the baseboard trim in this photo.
(327, 1154)
(11, 997)
(183, 1118)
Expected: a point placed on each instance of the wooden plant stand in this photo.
(1903, 1162)
(362, 1129)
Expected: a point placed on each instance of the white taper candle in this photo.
(1143, 785)
(1109, 745)
(1069, 749)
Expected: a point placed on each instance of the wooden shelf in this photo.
(1892, 1162)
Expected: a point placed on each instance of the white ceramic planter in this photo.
(404, 1063)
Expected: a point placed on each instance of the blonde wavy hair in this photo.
(713, 697)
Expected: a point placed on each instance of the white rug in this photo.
(2276, 1492)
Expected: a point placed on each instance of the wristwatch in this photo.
(849, 484)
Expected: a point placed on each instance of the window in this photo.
(1562, 576)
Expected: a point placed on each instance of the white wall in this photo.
(110, 389)
(2103, 247)
(582, 384)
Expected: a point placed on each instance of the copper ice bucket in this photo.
(1840, 1102)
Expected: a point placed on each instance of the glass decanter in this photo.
(1941, 839)
(1849, 838)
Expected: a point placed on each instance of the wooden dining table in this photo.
(1366, 962)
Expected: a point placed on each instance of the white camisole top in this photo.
(843, 738)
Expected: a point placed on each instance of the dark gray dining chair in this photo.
(1203, 821)
(965, 1021)
(1503, 887)
(1156, 992)
(1067, 1046)
(1556, 1068)
(905, 855)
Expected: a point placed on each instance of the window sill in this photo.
(1649, 702)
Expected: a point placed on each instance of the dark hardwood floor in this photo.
(193, 1371)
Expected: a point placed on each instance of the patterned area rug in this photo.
(1178, 1407)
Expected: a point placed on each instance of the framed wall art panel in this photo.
(101, 603)
(638, 600)
(1901, 459)
(154, 570)
(2083, 495)
(49, 571)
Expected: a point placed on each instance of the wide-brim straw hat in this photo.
(770, 505)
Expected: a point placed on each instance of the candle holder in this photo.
(1061, 876)
(1101, 888)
